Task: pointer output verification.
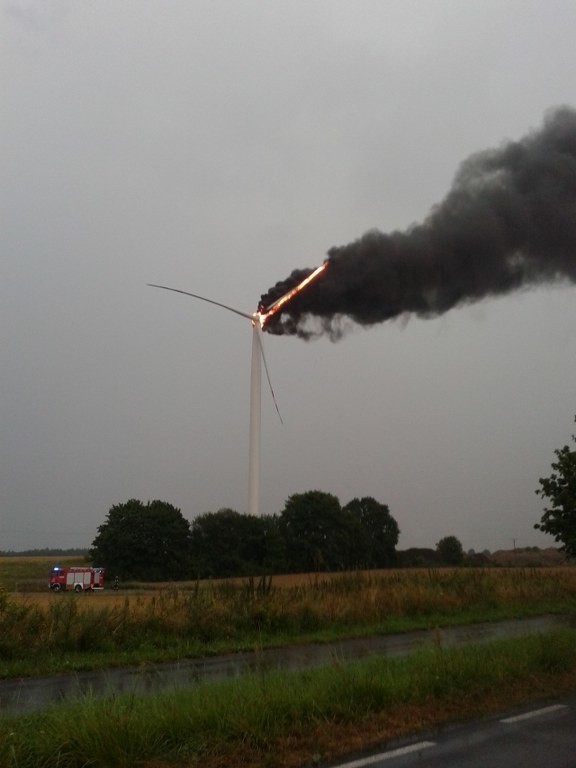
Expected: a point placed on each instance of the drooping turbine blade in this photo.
(203, 298)
(253, 318)
(261, 345)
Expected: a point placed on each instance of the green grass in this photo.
(251, 720)
(63, 657)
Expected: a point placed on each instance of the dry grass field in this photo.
(392, 591)
(30, 574)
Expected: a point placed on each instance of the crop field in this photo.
(349, 597)
(30, 574)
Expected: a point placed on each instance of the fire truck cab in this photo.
(77, 578)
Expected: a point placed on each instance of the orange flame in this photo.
(262, 317)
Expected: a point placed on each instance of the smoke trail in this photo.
(509, 221)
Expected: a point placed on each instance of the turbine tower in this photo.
(255, 418)
(255, 395)
(258, 320)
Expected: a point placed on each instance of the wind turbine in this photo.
(258, 320)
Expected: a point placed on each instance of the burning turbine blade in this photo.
(279, 303)
(203, 298)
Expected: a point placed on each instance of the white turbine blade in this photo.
(203, 298)
(261, 345)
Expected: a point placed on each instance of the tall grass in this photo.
(228, 616)
(258, 712)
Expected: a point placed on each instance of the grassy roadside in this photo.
(162, 650)
(285, 720)
(51, 633)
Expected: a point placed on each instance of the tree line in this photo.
(153, 541)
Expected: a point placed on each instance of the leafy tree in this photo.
(215, 545)
(450, 551)
(149, 542)
(227, 543)
(316, 531)
(418, 557)
(268, 549)
(379, 532)
(559, 519)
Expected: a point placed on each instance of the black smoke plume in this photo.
(509, 221)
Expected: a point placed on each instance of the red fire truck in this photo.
(77, 578)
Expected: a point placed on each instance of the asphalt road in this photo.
(542, 736)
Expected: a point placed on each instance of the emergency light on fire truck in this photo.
(76, 578)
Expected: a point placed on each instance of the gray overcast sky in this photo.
(216, 146)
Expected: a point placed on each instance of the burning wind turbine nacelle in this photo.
(265, 313)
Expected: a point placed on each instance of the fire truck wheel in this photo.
(56, 587)
(77, 588)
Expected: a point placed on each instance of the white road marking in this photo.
(534, 713)
(363, 762)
